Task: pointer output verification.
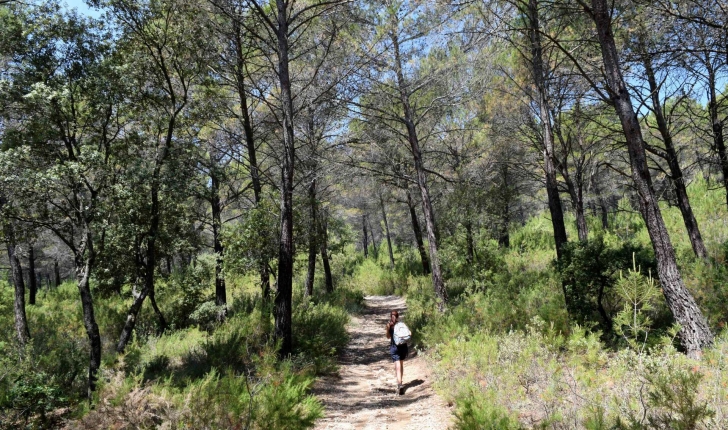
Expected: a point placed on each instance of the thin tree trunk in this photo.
(57, 273)
(250, 145)
(21, 321)
(676, 175)
(438, 283)
(695, 333)
(83, 276)
(552, 190)
(374, 242)
(131, 317)
(329, 282)
(716, 124)
(386, 229)
(418, 235)
(220, 290)
(312, 248)
(32, 279)
(366, 236)
(285, 255)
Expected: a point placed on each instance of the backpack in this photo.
(401, 333)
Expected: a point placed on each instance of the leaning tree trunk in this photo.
(312, 248)
(695, 333)
(676, 174)
(32, 279)
(284, 293)
(386, 230)
(552, 190)
(418, 235)
(56, 273)
(438, 283)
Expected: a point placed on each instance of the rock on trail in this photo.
(362, 395)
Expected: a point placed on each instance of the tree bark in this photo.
(56, 273)
(552, 190)
(220, 290)
(418, 235)
(284, 293)
(329, 282)
(249, 144)
(365, 243)
(374, 242)
(695, 333)
(716, 123)
(21, 321)
(438, 283)
(386, 230)
(312, 248)
(84, 266)
(131, 317)
(32, 278)
(676, 174)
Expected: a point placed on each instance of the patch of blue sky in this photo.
(83, 8)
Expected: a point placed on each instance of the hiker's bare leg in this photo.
(398, 371)
(401, 371)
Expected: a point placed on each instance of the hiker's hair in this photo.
(395, 313)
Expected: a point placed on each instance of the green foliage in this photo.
(319, 333)
(28, 392)
(639, 295)
(476, 412)
(589, 270)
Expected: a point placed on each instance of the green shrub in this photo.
(476, 412)
(319, 333)
(589, 270)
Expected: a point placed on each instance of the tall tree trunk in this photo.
(32, 278)
(418, 235)
(220, 290)
(329, 282)
(695, 333)
(438, 283)
(365, 243)
(374, 241)
(716, 123)
(676, 174)
(312, 233)
(249, 144)
(386, 229)
(552, 190)
(84, 260)
(285, 255)
(21, 321)
(56, 273)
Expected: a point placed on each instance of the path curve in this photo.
(362, 396)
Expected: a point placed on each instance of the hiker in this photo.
(398, 352)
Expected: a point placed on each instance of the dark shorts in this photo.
(398, 352)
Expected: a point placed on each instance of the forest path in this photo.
(363, 394)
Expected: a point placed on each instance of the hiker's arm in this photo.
(389, 326)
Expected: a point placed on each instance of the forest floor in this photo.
(363, 394)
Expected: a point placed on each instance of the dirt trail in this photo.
(362, 395)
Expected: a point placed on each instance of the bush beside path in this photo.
(362, 395)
